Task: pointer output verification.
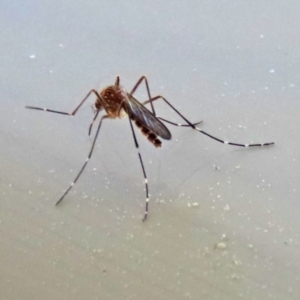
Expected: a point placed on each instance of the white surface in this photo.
(234, 65)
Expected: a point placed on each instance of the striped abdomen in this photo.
(152, 137)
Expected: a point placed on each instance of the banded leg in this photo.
(143, 168)
(84, 165)
(179, 124)
(66, 113)
(148, 91)
(92, 123)
(151, 100)
(205, 133)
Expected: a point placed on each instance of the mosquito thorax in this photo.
(112, 98)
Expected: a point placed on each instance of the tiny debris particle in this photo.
(238, 167)
(227, 207)
(221, 246)
(32, 56)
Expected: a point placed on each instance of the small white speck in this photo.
(221, 246)
(227, 208)
(224, 237)
(272, 71)
(32, 56)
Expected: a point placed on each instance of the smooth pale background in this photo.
(233, 64)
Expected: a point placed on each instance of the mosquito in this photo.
(117, 102)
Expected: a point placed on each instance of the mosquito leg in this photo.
(143, 168)
(179, 124)
(205, 133)
(170, 122)
(151, 100)
(117, 82)
(84, 165)
(95, 117)
(65, 113)
(148, 91)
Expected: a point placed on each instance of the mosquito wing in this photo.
(139, 112)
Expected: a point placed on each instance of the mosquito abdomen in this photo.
(152, 137)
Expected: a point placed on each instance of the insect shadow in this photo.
(117, 102)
